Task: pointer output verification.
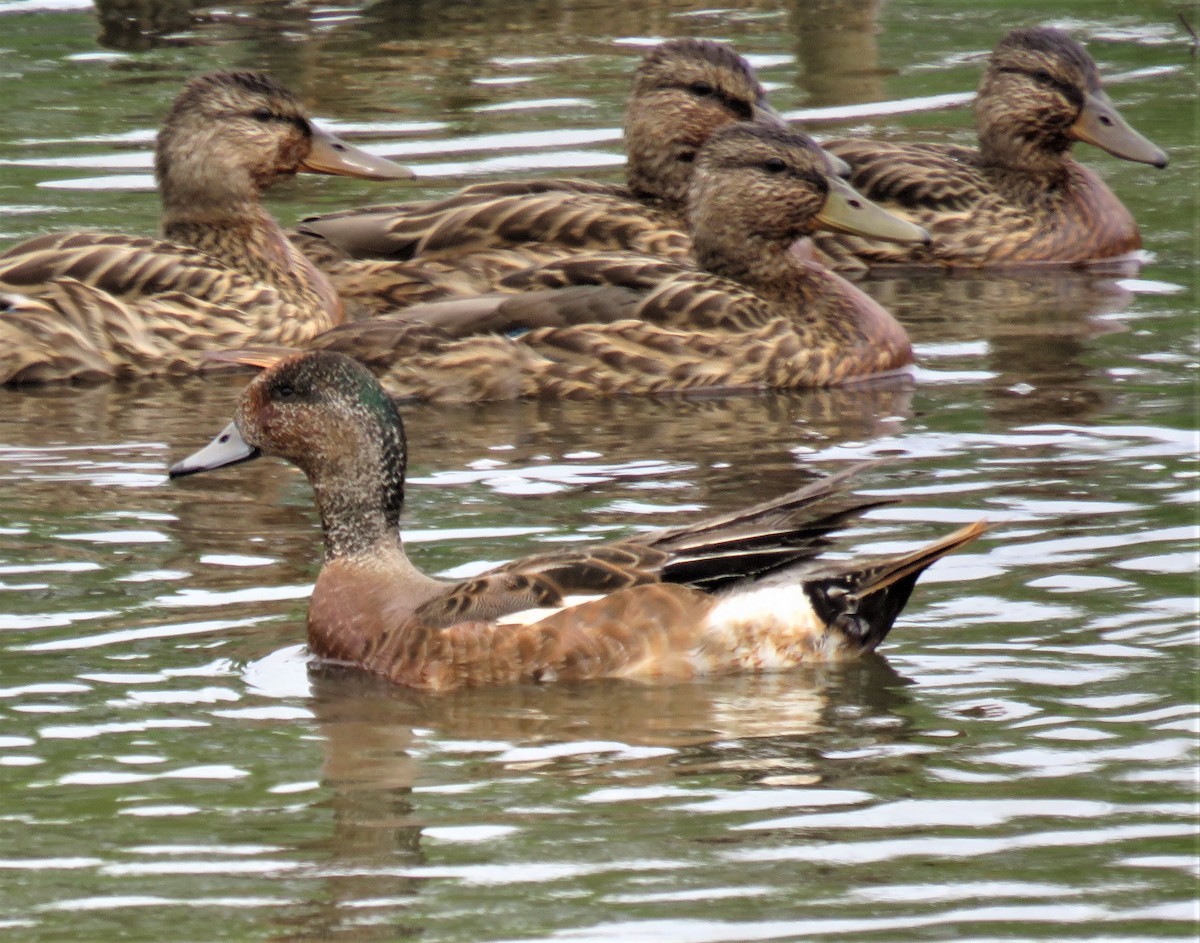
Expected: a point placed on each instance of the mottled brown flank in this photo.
(604, 324)
(660, 594)
(465, 243)
(110, 305)
(1020, 198)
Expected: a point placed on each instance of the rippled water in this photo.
(1018, 763)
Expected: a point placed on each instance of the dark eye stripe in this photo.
(299, 123)
(1067, 90)
(743, 109)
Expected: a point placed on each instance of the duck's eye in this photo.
(262, 114)
(1042, 75)
(702, 89)
(686, 157)
(775, 165)
(286, 392)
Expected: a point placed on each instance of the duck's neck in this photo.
(1010, 139)
(1030, 158)
(227, 221)
(358, 487)
(367, 585)
(763, 265)
(821, 306)
(657, 171)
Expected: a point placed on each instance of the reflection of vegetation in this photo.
(837, 54)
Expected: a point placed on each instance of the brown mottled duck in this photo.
(1021, 197)
(683, 91)
(749, 591)
(755, 315)
(77, 305)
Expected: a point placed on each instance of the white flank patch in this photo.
(767, 628)
(530, 616)
(785, 604)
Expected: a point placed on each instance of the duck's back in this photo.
(90, 304)
(980, 215)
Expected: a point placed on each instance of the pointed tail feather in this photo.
(862, 601)
(755, 541)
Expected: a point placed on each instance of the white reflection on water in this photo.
(945, 846)
(132, 635)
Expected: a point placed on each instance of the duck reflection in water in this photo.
(1034, 328)
(771, 731)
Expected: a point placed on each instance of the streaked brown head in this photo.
(683, 91)
(755, 183)
(1041, 93)
(233, 134)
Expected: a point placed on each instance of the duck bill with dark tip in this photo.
(228, 448)
(847, 210)
(1100, 123)
(331, 155)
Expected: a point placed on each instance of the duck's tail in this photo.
(862, 600)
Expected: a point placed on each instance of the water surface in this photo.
(1019, 762)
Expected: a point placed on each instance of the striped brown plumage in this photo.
(683, 90)
(1020, 198)
(92, 305)
(757, 316)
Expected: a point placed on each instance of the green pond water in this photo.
(1018, 762)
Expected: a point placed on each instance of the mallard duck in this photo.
(1021, 197)
(747, 591)
(683, 91)
(755, 315)
(91, 304)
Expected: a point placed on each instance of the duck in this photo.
(93, 305)
(683, 90)
(748, 591)
(752, 313)
(1020, 197)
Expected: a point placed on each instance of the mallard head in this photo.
(771, 185)
(683, 90)
(230, 135)
(1041, 93)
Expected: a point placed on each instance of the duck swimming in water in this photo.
(749, 591)
(1020, 197)
(683, 91)
(755, 315)
(88, 305)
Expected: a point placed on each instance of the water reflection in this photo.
(1035, 328)
(837, 50)
(368, 774)
(139, 25)
(385, 750)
